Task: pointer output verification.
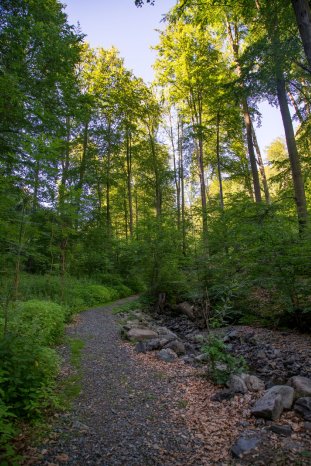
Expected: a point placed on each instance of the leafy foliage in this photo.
(222, 364)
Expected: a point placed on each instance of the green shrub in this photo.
(42, 320)
(73, 294)
(222, 364)
(7, 432)
(27, 372)
(95, 295)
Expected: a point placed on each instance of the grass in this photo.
(76, 346)
(127, 308)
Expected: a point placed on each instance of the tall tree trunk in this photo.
(84, 156)
(298, 182)
(176, 170)
(65, 166)
(303, 16)
(158, 191)
(251, 152)
(129, 180)
(234, 42)
(36, 184)
(261, 167)
(108, 213)
(182, 184)
(295, 105)
(300, 197)
(221, 195)
(196, 105)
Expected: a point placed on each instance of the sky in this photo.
(133, 31)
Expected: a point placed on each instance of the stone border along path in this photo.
(122, 415)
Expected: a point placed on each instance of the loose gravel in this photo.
(122, 415)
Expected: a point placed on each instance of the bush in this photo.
(27, 372)
(222, 364)
(73, 294)
(42, 320)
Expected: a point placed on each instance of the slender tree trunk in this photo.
(298, 182)
(136, 214)
(300, 197)
(84, 156)
(196, 104)
(234, 42)
(65, 166)
(158, 193)
(251, 152)
(176, 172)
(129, 180)
(36, 184)
(221, 195)
(182, 184)
(108, 213)
(261, 167)
(303, 16)
(126, 217)
(19, 254)
(294, 104)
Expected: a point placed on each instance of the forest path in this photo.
(122, 415)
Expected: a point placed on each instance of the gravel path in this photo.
(122, 415)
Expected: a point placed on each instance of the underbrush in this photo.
(75, 294)
(30, 329)
(222, 364)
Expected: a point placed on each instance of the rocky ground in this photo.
(147, 400)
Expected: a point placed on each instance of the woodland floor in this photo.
(136, 410)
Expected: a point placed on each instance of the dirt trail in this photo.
(122, 415)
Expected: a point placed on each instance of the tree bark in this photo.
(303, 16)
(298, 182)
(261, 167)
(251, 152)
(129, 180)
(221, 196)
(300, 197)
(182, 184)
(234, 42)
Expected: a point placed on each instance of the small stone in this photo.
(303, 407)
(237, 385)
(140, 347)
(307, 425)
(153, 344)
(202, 358)
(301, 385)
(246, 443)
(167, 355)
(222, 395)
(285, 431)
(177, 346)
(253, 383)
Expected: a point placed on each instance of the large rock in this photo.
(140, 334)
(271, 405)
(301, 385)
(253, 383)
(177, 346)
(166, 334)
(153, 344)
(236, 384)
(246, 443)
(303, 407)
(167, 355)
(268, 407)
(186, 309)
